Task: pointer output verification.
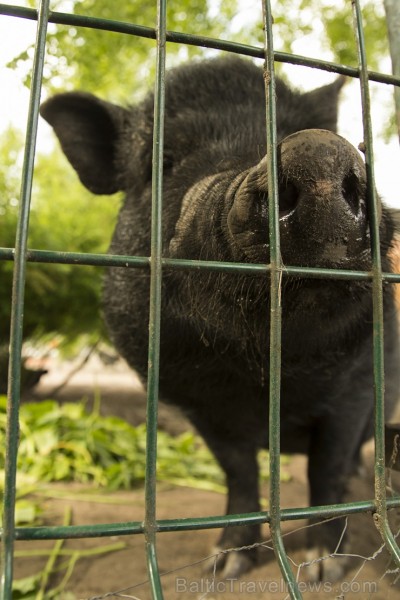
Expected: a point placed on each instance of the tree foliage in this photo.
(93, 59)
(392, 9)
(331, 22)
(59, 298)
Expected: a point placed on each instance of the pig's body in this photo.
(215, 326)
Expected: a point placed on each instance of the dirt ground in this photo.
(181, 555)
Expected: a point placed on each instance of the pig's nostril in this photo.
(350, 192)
(288, 198)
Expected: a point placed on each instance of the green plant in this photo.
(61, 443)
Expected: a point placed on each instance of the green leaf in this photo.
(22, 588)
(26, 512)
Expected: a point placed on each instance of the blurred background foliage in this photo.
(119, 67)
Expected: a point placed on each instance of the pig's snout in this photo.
(303, 196)
(350, 189)
(322, 187)
(318, 166)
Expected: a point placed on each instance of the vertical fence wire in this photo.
(380, 516)
(18, 292)
(150, 523)
(276, 310)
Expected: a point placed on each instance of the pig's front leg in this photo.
(239, 462)
(329, 468)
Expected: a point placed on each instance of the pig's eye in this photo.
(352, 193)
(168, 162)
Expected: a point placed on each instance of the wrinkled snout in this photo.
(318, 166)
(322, 202)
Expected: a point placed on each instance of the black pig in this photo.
(215, 326)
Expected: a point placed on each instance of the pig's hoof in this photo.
(325, 567)
(236, 564)
(229, 564)
(215, 562)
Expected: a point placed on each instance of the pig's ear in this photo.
(89, 131)
(323, 105)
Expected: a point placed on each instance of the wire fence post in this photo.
(276, 310)
(20, 258)
(380, 516)
(150, 524)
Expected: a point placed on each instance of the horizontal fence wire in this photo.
(60, 18)
(195, 523)
(157, 264)
(143, 262)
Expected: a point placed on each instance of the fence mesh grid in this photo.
(21, 255)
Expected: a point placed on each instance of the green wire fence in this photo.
(152, 526)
